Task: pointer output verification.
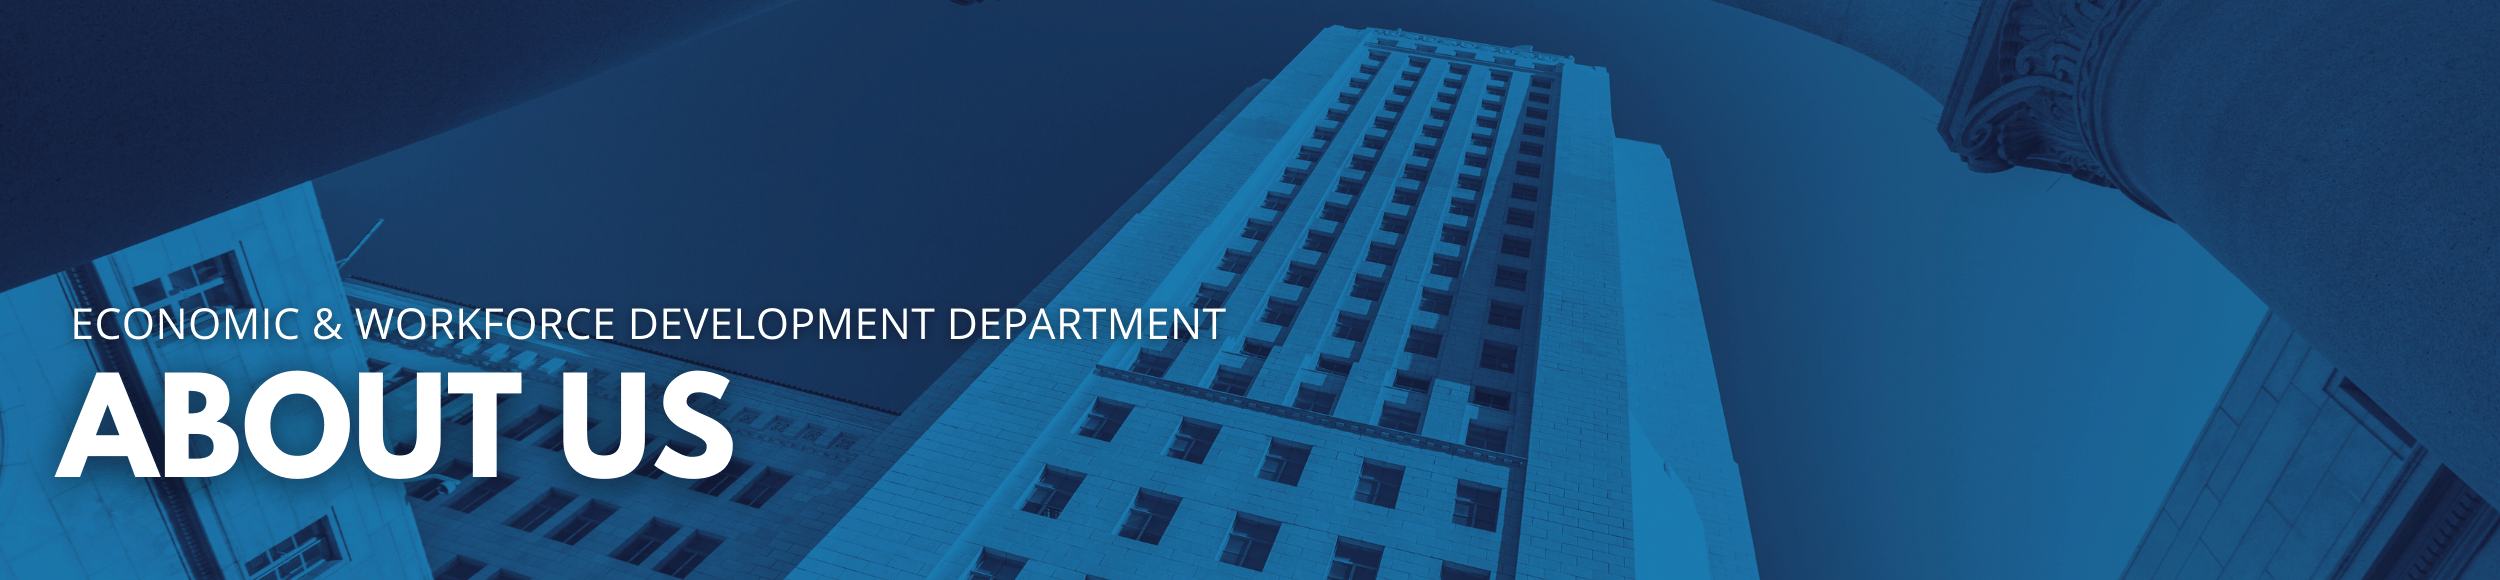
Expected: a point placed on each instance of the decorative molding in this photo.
(1474, 46)
(2022, 97)
(1323, 420)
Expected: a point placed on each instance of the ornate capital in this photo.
(2021, 97)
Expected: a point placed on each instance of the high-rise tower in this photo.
(1461, 340)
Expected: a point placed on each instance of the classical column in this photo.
(2341, 158)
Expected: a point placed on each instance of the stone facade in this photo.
(1429, 350)
(108, 524)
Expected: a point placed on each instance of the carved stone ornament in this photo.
(2020, 98)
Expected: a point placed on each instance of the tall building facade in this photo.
(539, 519)
(246, 524)
(1460, 341)
(2302, 476)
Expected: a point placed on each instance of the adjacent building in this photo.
(244, 525)
(538, 518)
(2302, 476)
(1461, 341)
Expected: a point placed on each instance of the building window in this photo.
(1384, 123)
(1301, 275)
(1530, 169)
(1295, 177)
(1453, 83)
(1445, 266)
(1336, 115)
(719, 482)
(1426, 151)
(1393, 106)
(1250, 541)
(1491, 105)
(1234, 262)
(1527, 148)
(1150, 364)
(1315, 400)
(1480, 139)
(1454, 235)
(1494, 439)
(1355, 561)
(1515, 245)
(1478, 161)
(996, 565)
(1103, 422)
(1210, 297)
(211, 283)
(1498, 356)
(1256, 349)
(1522, 218)
(1309, 154)
(1423, 342)
(1335, 366)
(507, 575)
(1051, 492)
(1524, 191)
(1532, 130)
(1536, 113)
(1536, 97)
(1351, 327)
(1279, 312)
(459, 568)
(303, 555)
(763, 488)
(1412, 382)
(582, 522)
(1394, 224)
(1318, 242)
(1512, 278)
(1479, 507)
(1463, 207)
(1322, 134)
(1488, 122)
(1417, 173)
(1255, 231)
(1382, 254)
(1192, 441)
(1232, 383)
(476, 495)
(1284, 461)
(645, 541)
(1368, 288)
(1471, 183)
(1490, 398)
(1432, 132)
(1337, 212)
(1541, 82)
(1401, 419)
(1379, 484)
(542, 510)
(1504, 314)
(689, 554)
(1434, 302)
(1406, 197)
(1148, 516)
(528, 424)
(1349, 98)
(1451, 571)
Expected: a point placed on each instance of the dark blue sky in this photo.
(1929, 373)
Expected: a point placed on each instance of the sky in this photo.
(1928, 373)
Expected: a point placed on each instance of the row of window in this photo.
(636, 550)
(1378, 483)
(1252, 537)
